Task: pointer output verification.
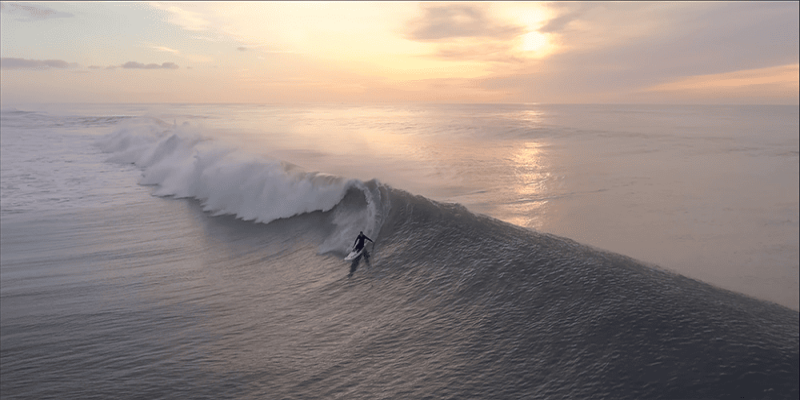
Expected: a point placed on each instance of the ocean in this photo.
(525, 251)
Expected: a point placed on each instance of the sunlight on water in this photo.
(531, 190)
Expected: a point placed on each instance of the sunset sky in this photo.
(374, 52)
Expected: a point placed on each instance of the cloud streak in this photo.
(471, 33)
(9, 63)
(184, 18)
(28, 12)
(453, 21)
(569, 12)
(784, 77)
(138, 65)
(165, 49)
(22, 63)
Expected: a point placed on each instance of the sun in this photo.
(534, 42)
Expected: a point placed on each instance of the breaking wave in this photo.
(181, 162)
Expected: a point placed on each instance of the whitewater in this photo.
(521, 251)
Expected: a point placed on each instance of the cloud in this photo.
(179, 53)
(466, 33)
(568, 12)
(490, 51)
(260, 49)
(165, 49)
(28, 12)
(612, 52)
(186, 19)
(452, 21)
(781, 79)
(206, 38)
(138, 65)
(22, 63)
(678, 39)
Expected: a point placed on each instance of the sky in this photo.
(399, 52)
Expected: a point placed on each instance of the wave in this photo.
(500, 310)
(17, 118)
(182, 162)
(540, 316)
(13, 110)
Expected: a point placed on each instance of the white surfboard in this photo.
(355, 253)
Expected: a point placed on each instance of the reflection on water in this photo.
(530, 187)
(633, 180)
(533, 117)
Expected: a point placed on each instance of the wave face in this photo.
(505, 312)
(184, 164)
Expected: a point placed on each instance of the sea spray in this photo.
(364, 209)
(184, 162)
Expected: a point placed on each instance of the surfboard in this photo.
(355, 253)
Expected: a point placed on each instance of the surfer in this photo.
(359, 243)
(355, 255)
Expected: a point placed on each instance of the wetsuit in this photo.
(359, 243)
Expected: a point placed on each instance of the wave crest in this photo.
(183, 163)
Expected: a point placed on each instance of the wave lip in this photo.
(183, 163)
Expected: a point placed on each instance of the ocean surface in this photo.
(521, 252)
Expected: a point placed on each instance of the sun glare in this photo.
(534, 42)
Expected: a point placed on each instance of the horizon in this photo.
(275, 53)
(395, 104)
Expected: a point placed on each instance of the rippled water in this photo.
(111, 292)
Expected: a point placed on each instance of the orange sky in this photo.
(288, 52)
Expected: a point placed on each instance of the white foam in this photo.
(350, 220)
(183, 163)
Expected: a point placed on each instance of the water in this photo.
(173, 251)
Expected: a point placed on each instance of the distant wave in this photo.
(184, 163)
(17, 118)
